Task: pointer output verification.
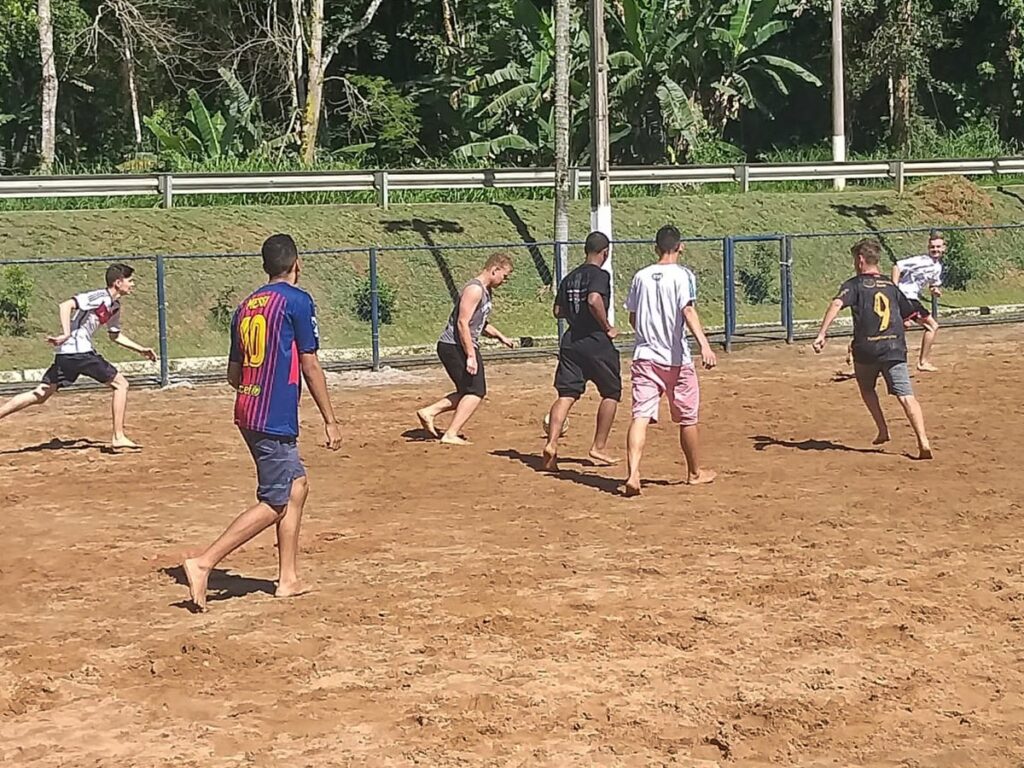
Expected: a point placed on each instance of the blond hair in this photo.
(498, 260)
(868, 249)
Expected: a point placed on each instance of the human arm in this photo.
(65, 310)
(896, 272)
(122, 340)
(826, 322)
(316, 381)
(557, 311)
(471, 297)
(600, 314)
(494, 333)
(632, 321)
(692, 319)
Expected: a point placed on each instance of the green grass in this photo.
(421, 277)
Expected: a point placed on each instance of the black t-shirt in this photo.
(572, 298)
(878, 310)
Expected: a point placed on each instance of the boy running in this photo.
(586, 351)
(80, 317)
(661, 305)
(913, 275)
(459, 350)
(274, 336)
(879, 344)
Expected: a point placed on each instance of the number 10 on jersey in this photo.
(252, 331)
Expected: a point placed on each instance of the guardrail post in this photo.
(383, 190)
(161, 319)
(374, 310)
(897, 171)
(788, 308)
(742, 174)
(165, 183)
(935, 306)
(728, 291)
(574, 183)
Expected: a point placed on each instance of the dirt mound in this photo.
(955, 200)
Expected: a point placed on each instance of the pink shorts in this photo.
(651, 381)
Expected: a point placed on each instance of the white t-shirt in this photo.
(93, 309)
(658, 295)
(918, 273)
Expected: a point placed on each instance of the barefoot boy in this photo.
(459, 350)
(274, 336)
(586, 351)
(879, 345)
(661, 305)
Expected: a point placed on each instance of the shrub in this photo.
(15, 295)
(223, 309)
(759, 275)
(386, 299)
(962, 263)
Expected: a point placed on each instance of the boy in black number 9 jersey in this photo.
(879, 345)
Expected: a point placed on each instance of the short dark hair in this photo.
(279, 255)
(668, 239)
(117, 271)
(596, 242)
(936, 234)
(868, 249)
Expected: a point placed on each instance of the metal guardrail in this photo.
(167, 185)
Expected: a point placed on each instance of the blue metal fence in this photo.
(731, 327)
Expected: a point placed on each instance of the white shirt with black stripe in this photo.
(918, 273)
(92, 309)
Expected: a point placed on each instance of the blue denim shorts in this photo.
(277, 465)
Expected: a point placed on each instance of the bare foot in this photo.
(597, 455)
(290, 589)
(703, 477)
(427, 422)
(454, 440)
(927, 367)
(882, 439)
(550, 462)
(632, 488)
(197, 577)
(122, 442)
(924, 452)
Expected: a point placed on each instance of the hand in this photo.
(149, 354)
(708, 357)
(507, 342)
(612, 333)
(333, 433)
(936, 291)
(819, 344)
(471, 366)
(58, 340)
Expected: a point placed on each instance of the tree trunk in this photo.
(296, 68)
(903, 93)
(562, 53)
(49, 74)
(314, 82)
(448, 20)
(133, 91)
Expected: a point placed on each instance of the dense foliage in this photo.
(209, 83)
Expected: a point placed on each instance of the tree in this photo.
(48, 120)
(562, 130)
(319, 60)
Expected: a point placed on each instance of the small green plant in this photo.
(15, 295)
(386, 299)
(962, 264)
(759, 275)
(223, 309)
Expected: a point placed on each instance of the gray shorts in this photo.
(896, 375)
(277, 466)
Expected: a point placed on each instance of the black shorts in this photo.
(67, 368)
(589, 359)
(453, 358)
(919, 311)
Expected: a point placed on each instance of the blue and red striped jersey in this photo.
(269, 331)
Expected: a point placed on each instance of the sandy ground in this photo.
(822, 604)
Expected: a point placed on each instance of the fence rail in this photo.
(382, 183)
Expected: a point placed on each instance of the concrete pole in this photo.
(838, 92)
(600, 187)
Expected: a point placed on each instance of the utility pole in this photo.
(600, 186)
(838, 93)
